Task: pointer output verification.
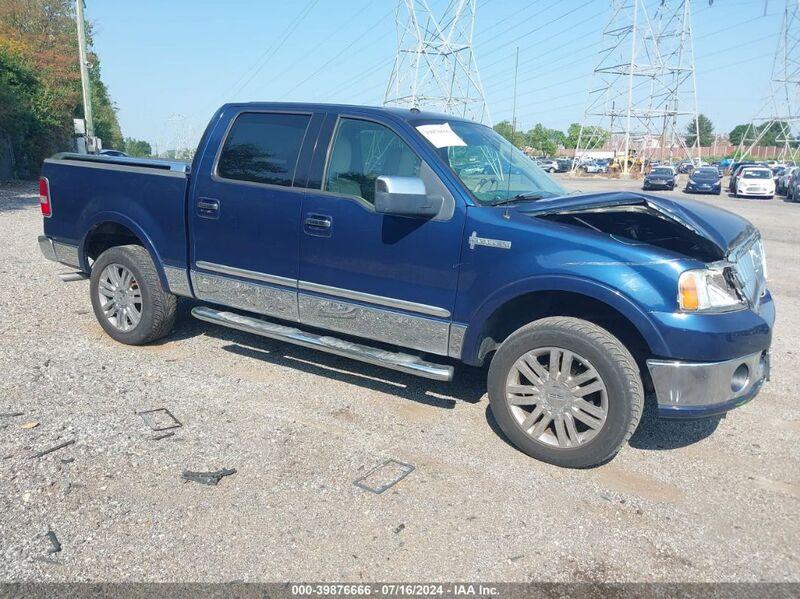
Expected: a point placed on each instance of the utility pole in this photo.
(87, 99)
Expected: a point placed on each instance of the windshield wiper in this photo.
(518, 198)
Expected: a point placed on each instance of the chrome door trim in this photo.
(379, 300)
(247, 274)
(358, 296)
(378, 324)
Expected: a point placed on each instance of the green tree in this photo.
(505, 129)
(542, 139)
(40, 89)
(737, 134)
(706, 131)
(136, 147)
(592, 137)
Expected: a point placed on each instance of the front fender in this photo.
(564, 283)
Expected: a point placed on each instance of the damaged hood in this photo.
(722, 229)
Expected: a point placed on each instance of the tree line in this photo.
(40, 87)
(548, 141)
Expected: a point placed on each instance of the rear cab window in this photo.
(263, 148)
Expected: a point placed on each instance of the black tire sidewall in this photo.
(606, 443)
(141, 332)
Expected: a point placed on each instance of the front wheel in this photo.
(127, 296)
(565, 391)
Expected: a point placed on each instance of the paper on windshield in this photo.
(441, 135)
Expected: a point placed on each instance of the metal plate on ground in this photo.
(383, 476)
(160, 419)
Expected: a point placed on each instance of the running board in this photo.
(372, 355)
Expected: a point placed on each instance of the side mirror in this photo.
(405, 196)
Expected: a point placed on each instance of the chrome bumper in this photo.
(59, 252)
(700, 389)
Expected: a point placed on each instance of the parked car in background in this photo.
(782, 184)
(685, 166)
(592, 166)
(736, 169)
(357, 231)
(704, 180)
(548, 164)
(564, 165)
(793, 186)
(660, 177)
(755, 181)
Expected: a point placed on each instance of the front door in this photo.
(245, 215)
(387, 278)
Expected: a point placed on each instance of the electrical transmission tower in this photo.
(435, 65)
(643, 92)
(780, 114)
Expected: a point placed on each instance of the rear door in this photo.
(387, 278)
(244, 212)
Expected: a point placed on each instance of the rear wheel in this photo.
(127, 297)
(565, 391)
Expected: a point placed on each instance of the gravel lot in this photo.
(702, 501)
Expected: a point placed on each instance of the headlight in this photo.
(708, 289)
(692, 181)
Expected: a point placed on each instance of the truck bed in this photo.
(147, 196)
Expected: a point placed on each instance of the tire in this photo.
(157, 308)
(591, 347)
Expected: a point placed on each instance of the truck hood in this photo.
(688, 226)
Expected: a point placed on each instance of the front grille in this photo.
(751, 270)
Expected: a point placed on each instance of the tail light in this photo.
(44, 197)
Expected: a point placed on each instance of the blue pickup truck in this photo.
(411, 240)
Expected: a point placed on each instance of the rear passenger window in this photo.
(263, 148)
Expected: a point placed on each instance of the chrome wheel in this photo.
(557, 397)
(120, 297)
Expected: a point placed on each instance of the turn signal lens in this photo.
(44, 197)
(688, 297)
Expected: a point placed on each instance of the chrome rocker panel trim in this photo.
(393, 360)
(59, 252)
(701, 389)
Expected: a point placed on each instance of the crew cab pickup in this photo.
(412, 240)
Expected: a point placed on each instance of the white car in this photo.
(755, 181)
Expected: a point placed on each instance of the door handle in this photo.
(208, 208)
(316, 221)
(318, 225)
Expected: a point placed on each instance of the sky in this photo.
(169, 64)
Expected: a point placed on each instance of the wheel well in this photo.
(108, 235)
(541, 304)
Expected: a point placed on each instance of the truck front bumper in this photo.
(702, 389)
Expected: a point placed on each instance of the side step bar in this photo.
(396, 361)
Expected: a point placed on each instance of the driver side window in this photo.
(362, 152)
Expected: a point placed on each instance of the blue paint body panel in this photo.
(263, 228)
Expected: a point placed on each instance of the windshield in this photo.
(705, 174)
(488, 165)
(661, 172)
(759, 174)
